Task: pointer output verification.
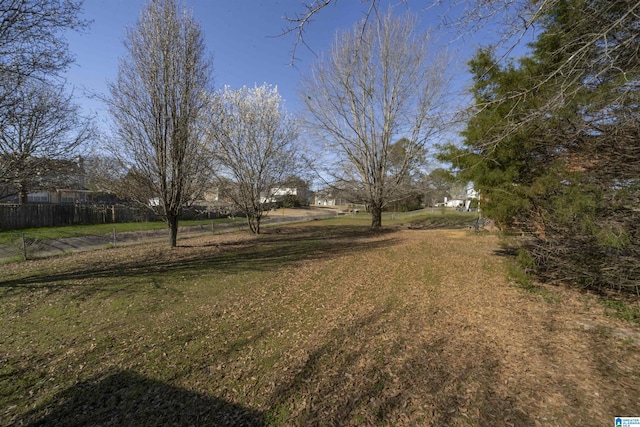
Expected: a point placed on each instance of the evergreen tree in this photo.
(556, 153)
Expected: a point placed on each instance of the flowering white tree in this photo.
(252, 140)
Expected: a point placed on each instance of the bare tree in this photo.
(299, 21)
(32, 42)
(613, 24)
(252, 140)
(378, 83)
(32, 46)
(104, 172)
(157, 105)
(40, 126)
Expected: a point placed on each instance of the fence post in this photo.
(24, 247)
(114, 237)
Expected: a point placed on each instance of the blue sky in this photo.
(242, 37)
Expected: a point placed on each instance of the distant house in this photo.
(294, 196)
(277, 194)
(59, 196)
(453, 203)
(218, 194)
(64, 182)
(463, 202)
(324, 198)
(211, 196)
(223, 193)
(472, 193)
(333, 196)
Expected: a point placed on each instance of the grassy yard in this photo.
(51, 241)
(321, 323)
(87, 230)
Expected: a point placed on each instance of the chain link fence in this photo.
(16, 246)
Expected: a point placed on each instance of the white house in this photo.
(453, 203)
(324, 198)
(278, 193)
(470, 194)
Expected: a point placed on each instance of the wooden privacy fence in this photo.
(16, 217)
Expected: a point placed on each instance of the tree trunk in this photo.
(23, 195)
(24, 198)
(172, 221)
(254, 224)
(376, 217)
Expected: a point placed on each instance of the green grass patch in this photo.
(620, 310)
(97, 229)
(447, 219)
(519, 272)
(424, 218)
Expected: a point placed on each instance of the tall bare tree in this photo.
(380, 82)
(157, 103)
(252, 141)
(32, 47)
(40, 126)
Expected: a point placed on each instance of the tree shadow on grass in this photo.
(268, 252)
(126, 398)
(360, 375)
(444, 222)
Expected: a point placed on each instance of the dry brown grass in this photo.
(313, 324)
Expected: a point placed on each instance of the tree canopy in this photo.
(553, 143)
(252, 141)
(157, 104)
(39, 124)
(381, 81)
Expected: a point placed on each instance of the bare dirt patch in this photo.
(312, 324)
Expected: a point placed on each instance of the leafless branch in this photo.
(157, 104)
(381, 82)
(252, 140)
